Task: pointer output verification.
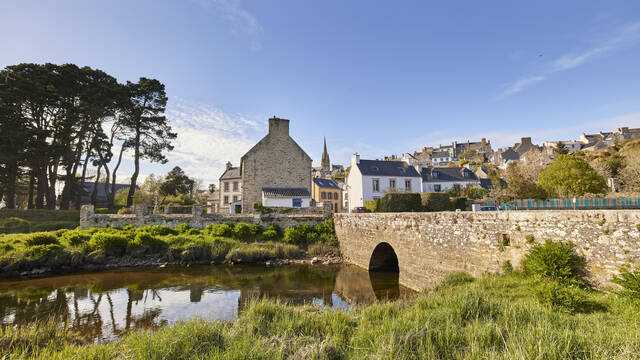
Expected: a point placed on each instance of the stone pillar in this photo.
(140, 211)
(196, 210)
(86, 212)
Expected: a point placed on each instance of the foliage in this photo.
(560, 296)
(323, 249)
(41, 238)
(270, 235)
(507, 267)
(176, 182)
(373, 206)
(148, 241)
(630, 174)
(261, 209)
(571, 176)
(110, 243)
(553, 260)
(223, 230)
(401, 202)
(455, 278)
(182, 228)
(473, 192)
(14, 225)
(435, 201)
(520, 185)
(242, 231)
(530, 238)
(458, 203)
(629, 279)
(257, 252)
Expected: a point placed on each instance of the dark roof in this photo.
(326, 183)
(231, 173)
(447, 174)
(101, 195)
(387, 168)
(510, 154)
(286, 191)
(437, 154)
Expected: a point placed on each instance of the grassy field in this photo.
(69, 250)
(34, 220)
(492, 317)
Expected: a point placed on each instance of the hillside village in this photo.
(278, 173)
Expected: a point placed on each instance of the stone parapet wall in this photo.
(429, 245)
(197, 219)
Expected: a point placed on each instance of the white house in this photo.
(289, 197)
(372, 179)
(436, 179)
(571, 145)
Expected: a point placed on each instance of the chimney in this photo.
(355, 159)
(525, 140)
(278, 126)
(229, 165)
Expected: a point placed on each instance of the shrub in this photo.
(435, 201)
(459, 203)
(329, 239)
(145, 239)
(220, 247)
(560, 296)
(326, 227)
(630, 281)
(193, 232)
(14, 225)
(196, 250)
(294, 235)
(323, 250)
(76, 238)
(41, 238)
(125, 211)
(530, 239)
(507, 267)
(182, 228)
(53, 225)
(270, 235)
(110, 243)
(45, 253)
(401, 202)
(256, 229)
(223, 230)
(160, 230)
(373, 205)
(553, 260)
(276, 228)
(242, 231)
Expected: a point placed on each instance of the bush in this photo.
(110, 243)
(329, 239)
(630, 282)
(459, 203)
(294, 235)
(182, 228)
(159, 230)
(223, 230)
(75, 238)
(220, 247)
(256, 229)
(145, 239)
(242, 231)
(125, 211)
(560, 296)
(507, 267)
(14, 225)
(373, 205)
(326, 227)
(41, 238)
(270, 235)
(53, 225)
(401, 202)
(530, 239)
(435, 201)
(193, 232)
(323, 250)
(45, 253)
(553, 260)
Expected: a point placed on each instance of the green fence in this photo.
(570, 203)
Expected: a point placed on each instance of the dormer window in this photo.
(434, 174)
(465, 173)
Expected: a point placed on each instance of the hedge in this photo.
(435, 201)
(459, 203)
(401, 202)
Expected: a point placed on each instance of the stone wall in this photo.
(197, 219)
(429, 245)
(277, 161)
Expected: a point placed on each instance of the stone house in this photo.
(276, 161)
(436, 179)
(230, 189)
(328, 191)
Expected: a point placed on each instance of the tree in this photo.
(177, 182)
(630, 174)
(520, 185)
(150, 132)
(560, 149)
(571, 176)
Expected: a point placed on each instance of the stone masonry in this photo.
(429, 245)
(275, 161)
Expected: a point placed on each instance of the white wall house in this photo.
(372, 179)
(437, 179)
(286, 197)
(571, 145)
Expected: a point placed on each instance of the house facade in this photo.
(286, 197)
(327, 191)
(437, 179)
(230, 189)
(372, 179)
(276, 161)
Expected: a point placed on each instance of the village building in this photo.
(437, 179)
(275, 162)
(230, 195)
(327, 191)
(570, 145)
(372, 179)
(213, 202)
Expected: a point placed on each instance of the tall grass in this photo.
(493, 317)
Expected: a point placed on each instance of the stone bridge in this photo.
(423, 247)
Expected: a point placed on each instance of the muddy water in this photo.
(104, 306)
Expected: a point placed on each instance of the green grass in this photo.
(72, 249)
(492, 317)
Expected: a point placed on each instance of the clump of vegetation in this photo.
(456, 278)
(530, 238)
(110, 243)
(629, 280)
(223, 230)
(506, 266)
(560, 296)
(553, 260)
(41, 238)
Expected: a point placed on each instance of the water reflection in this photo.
(103, 306)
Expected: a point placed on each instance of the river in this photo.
(106, 305)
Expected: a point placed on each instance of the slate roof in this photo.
(326, 183)
(447, 174)
(387, 168)
(439, 154)
(231, 173)
(286, 191)
(101, 195)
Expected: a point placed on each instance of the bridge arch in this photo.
(384, 258)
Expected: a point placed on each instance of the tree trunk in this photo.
(82, 179)
(134, 177)
(43, 186)
(32, 184)
(12, 175)
(113, 177)
(51, 194)
(94, 194)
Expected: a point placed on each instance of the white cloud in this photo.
(208, 138)
(625, 36)
(242, 21)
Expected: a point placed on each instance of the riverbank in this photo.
(498, 317)
(66, 251)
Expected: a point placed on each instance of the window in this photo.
(407, 185)
(465, 173)
(335, 207)
(435, 174)
(323, 195)
(235, 198)
(392, 183)
(436, 188)
(226, 199)
(235, 186)
(226, 186)
(376, 185)
(335, 196)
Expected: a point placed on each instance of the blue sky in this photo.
(373, 77)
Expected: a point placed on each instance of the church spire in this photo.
(326, 164)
